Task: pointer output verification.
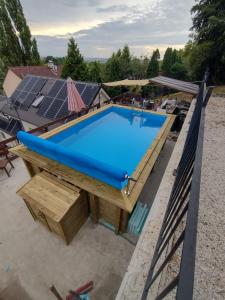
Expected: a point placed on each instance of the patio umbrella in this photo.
(75, 102)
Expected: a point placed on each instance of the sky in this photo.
(101, 26)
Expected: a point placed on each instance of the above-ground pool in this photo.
(109, 145)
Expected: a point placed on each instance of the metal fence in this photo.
(177, 238)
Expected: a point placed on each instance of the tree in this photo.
(15, 37)
(74, 65)
(208, 33)
(195, 57)
(178, 71)
(167, 62)
(10, 50)
(153, 66)
(139, 67)
(94, 72)
(2, 72)
(125, 61)
(36, 60)
(113, 68)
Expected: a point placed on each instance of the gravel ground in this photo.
(210, 256)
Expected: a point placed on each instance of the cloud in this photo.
(100, 28)
(113, 8)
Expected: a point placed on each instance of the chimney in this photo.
(51, 64)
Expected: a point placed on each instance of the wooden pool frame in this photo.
(96, 189)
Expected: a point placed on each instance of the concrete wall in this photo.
(135, 277)
(10, 83)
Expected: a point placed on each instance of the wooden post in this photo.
(94, 207)
(118, 220)
(32, 169)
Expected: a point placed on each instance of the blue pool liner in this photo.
(112, 175)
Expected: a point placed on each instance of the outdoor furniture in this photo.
(3, 165)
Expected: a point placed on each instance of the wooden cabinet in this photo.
(60, 206)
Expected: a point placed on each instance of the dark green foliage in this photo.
(153, 67)
(125, 60)
(36, 60)
(16, 45)
(173, 64)
(209, 37)
(74, 65)
(114, 68)
(15, 11)
(139, 67)
(3, 70)
(94, 72)
(178, 71)
(10, 50)
(118, 66)
(168, 61)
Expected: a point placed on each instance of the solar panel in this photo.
(29, 100)
(89, 94)
(10, 125)
(54, 109)
(56, 88)
(24, 83)
(21, 97)
(63, 111)
(15, 95)
(44, 106)
(17, 126)
(38, 85)
(30, 84)
(3, 123)
(63, 93)
(80, 87)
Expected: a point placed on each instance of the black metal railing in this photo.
(176, 245)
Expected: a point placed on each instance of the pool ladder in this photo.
(127, 192)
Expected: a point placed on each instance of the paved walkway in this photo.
(32, 259)
(210, 260)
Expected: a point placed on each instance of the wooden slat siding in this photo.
(55, 198)
(85, 182)
(118, 219)
(59, 206)
(145, 167)
(75, 217)
(30, 210)
(94, 186)
(32, 169)
(110, 213)
(124, 220)
(94, 208)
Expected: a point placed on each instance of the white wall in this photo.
(10, 83)
(101, 97)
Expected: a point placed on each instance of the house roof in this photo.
(10, 125)
(175, 84)
(45, 71)
(52, 93)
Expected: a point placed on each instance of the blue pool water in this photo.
(109, 144)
